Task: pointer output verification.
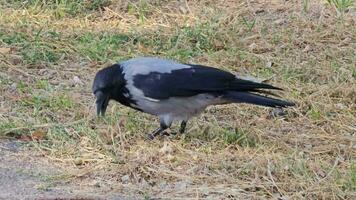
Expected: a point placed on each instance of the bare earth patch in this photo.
(26, 174)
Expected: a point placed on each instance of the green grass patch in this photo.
(60, 8)
(102, 47)
(314, 113)
(13, 38)
(52, 102)
(240, 137)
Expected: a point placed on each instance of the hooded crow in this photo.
(174, 91)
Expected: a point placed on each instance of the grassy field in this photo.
(50, 52)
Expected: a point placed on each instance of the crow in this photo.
(174, 91)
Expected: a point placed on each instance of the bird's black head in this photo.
(107, 82)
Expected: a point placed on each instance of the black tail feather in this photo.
(246, 97)
(246, 85)
(264, 92)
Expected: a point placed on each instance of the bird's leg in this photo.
(158, 131)
(182, 127)
(152, 135)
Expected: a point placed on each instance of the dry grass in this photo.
(49, 55)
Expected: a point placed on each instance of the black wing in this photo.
(192, 81)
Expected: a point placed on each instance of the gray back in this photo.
(146, 65)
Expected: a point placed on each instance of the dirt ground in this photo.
(28, 175)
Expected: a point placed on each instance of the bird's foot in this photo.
(165, 133)
(174, 133)
(152, 136)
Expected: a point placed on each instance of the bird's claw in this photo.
(150, 136)
(165, 133)
(174, 133)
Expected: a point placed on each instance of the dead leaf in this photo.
(4, 50)
(25, 138)
(39, 134)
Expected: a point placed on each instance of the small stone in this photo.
(269, 64)
(286, 168)
(277, 112)
(252, 46)
(125, 179)
(280, 22)
(76, 81)
(340, 106)
(13, 87)
(78, 161)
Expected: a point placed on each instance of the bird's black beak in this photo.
(102, 101)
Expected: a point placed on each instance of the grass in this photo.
(231, 151)
(341, 5)
(60, 8)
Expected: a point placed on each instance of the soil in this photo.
(24, 175)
